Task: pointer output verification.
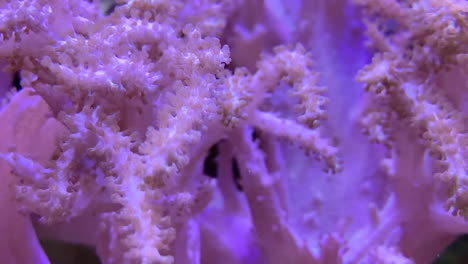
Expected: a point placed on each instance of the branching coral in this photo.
(127, 105)
(414, 81)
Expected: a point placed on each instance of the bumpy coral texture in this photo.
(335, 132)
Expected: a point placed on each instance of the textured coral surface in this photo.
(234, 131)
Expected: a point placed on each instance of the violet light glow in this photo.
(347, 122)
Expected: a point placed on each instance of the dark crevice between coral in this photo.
(255, 134)
(63, 252)
(456, 253)
(236, 175)
(210, 165)
(17, 81)
(107, 6)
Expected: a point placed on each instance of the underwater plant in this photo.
(234, 131)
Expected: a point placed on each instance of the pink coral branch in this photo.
(119, 113)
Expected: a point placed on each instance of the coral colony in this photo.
(234, 131)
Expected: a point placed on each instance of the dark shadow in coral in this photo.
(63, 252)
(456, 253)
